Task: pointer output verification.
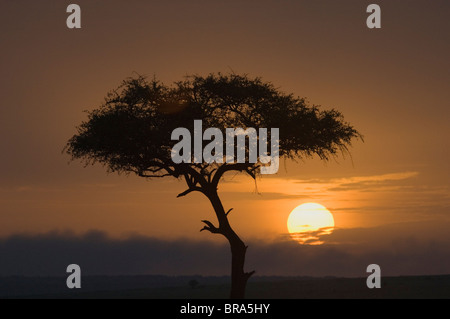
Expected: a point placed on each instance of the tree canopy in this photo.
(131, 131)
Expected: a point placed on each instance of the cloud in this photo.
(311, 237)
(98, 254)
(379, 178)
(374, 182)
(282, 188)
(402, 249)
(236, 196)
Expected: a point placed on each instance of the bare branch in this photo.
(188, 170)
(249, 274)
(210, 174)
(190, 190)
(251, 171)
(226, 214)
(246, 167)
(156, 166)
(210, 227)
(153, 175)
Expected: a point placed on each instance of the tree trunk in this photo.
(239, 278)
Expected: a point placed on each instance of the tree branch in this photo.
(246, 167)
(249, 274)
(186, 169)
(190, 190)
(210, 227)
(156, 166)
(153, 175)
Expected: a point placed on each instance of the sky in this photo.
(389, 197)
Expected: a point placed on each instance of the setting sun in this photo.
(308, 222)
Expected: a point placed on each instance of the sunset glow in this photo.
(308, 222)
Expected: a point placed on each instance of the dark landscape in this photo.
(199, 287)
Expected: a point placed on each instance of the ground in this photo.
(165, 287)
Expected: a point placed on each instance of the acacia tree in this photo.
(131, 132)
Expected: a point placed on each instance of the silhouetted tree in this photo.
(131, 133)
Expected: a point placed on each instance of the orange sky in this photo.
(391, 84)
